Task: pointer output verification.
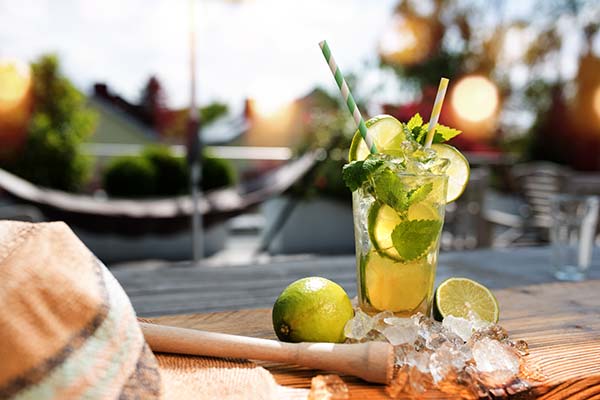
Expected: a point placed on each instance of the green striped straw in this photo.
(348, 98)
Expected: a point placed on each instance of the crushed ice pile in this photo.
(464, 357)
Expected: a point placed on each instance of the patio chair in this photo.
(535, 184)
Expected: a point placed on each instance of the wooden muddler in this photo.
(371, 361)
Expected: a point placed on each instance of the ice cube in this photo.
(419, 382)
(328, 387)
(447, 359)
(493, 356)
(379, 320)
(521, 347)
(419, 360)
(442, 358)
(495, 332)
(358, 327)
(398, 383)
(397, 330)
(438, 166)
(463, 327)
(397, 335)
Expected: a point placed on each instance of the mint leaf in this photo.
(390, 190)
(420, 134)
(444, 133)
(353, 174)
(358, 172)
(371, 165)
(415, 121)
(412, 239)
(408, 133)
(419, 194)
(414, 128)
(417, 130)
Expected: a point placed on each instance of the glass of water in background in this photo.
(573, 232)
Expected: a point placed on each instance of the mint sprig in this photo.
(412, 239)
(444, 133)
(390, 190)
(358, 172)
(418, 130)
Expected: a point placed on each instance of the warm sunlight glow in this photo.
(266, 107)
(15, 81)
(270, 97)
(475, 99)
(406, 41)
(597, 102)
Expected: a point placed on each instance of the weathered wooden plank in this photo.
(560, 321)
(163, 289)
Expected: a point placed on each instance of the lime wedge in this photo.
(459, 296)
(385, 130)
(458, 171)
(396, 287)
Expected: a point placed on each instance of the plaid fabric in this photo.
(67, 328)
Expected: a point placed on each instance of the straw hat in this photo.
(68, 331)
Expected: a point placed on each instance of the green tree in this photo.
(211, 112)
(60, 122)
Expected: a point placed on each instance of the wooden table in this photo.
(560, 321)
(157, 288)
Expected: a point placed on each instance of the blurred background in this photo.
(106, 107)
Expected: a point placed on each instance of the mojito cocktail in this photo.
(399, 198)
(397, 246)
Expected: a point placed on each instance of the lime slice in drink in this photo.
(422, 210)
(396, 287)
(383, 219)
(381, 222)
(458, 171)
(386, 131)
(460, 296)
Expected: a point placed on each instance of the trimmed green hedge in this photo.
(217, 172)
(170, 172)
(130, 177)
(159, 173)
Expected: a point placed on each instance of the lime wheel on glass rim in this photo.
(388, 135)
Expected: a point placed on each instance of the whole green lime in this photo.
(312, 310)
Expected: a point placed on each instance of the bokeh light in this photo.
(16, 98)
(597, 102)
(15, 82)
(408, 40)
(475, 99)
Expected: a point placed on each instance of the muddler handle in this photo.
(371, 361)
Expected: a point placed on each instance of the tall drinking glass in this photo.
(573, 230)
(397, 246)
